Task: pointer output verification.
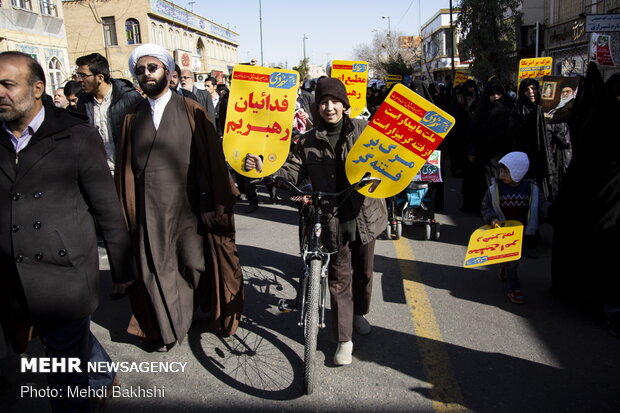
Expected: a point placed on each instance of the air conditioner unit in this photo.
(201, 77)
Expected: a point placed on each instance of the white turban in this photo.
(153, 50)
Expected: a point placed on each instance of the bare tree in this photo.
(385, 56)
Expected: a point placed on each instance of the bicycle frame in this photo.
(312, 292)
(311, 249)
(311, 241)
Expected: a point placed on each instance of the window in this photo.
(22, 4)
(170, 39)
(132, 30)
(48, 8)
(109, 31)
(154, 34)
(161, 32)
(200, 48)
(54, 74)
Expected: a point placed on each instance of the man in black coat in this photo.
(53, 178)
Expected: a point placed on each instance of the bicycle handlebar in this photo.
(366, 180)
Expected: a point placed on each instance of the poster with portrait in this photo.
(605, 48)
(398, 141)
(354, 75)
(259, 117)
(557, 97)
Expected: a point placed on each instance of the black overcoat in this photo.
(50, 195)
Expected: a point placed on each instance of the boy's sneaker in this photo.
(516, 296)
(501, 275)
(343, 355)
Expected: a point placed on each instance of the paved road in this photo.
(444, 338)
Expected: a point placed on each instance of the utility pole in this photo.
(260, 18)
(452, 44)
(304, 40)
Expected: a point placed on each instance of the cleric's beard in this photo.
(154, 89)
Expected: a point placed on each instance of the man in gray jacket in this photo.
(105, 100)
(203, 96)
(353, 227)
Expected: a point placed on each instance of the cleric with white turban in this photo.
(150, 49)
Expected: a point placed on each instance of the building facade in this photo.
(566, 37)
(437, 47)
(115, 27)
(36, 27)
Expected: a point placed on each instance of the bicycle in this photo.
(312, 288)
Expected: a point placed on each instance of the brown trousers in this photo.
(350, 285)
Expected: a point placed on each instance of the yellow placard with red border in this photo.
(398, 140)
(259, 117)
(535, 67)
(489, 245)
(460, 78)
(354, 75)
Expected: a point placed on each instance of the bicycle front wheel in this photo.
(311, 324)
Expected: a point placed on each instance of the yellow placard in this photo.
(399, 138)
(354, 75)
(259, 117)
(535, 67)
(494, 245)
(460, 78)
(392, 80)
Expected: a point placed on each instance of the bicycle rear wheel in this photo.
(311, 324)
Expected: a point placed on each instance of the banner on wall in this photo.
(605, 49)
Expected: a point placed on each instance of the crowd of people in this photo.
(512, 156)
(139, 167)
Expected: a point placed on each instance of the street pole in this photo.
(260, 18)
(389, 26)
(304, 41)
(452, 44)
(537, 38)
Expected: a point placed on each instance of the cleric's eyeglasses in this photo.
(151, 67)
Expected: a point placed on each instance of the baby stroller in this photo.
(413, 206)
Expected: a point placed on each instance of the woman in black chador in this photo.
(527, 133)
(488, 130)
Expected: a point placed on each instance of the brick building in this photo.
(115, 27)
(36, 27)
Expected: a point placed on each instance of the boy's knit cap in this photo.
(333, 87)
(517, 164)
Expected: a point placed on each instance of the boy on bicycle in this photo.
(351, 229)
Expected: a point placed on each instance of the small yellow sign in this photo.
(536, 67)
(494, 245)
(398, 140)
(460, 78)
(393, 79)
(259, 117)
(354, 75)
